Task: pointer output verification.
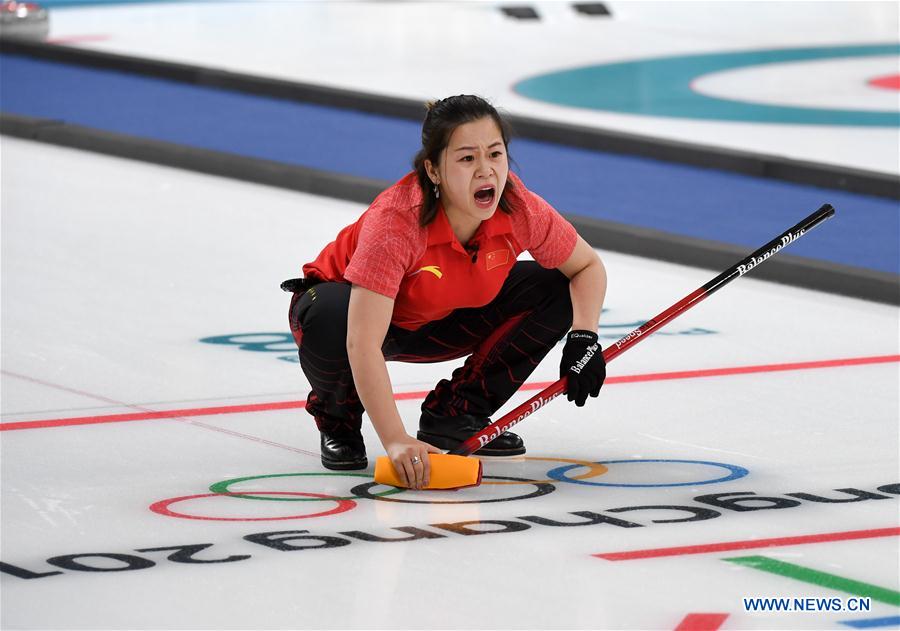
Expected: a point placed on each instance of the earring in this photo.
(437, 192)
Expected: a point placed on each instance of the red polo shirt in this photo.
(427, 271)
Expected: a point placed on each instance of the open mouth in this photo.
(484, 197)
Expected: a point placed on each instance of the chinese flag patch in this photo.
(497, 258)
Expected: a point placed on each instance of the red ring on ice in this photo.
(162, 506)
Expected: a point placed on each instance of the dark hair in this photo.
(441, 120)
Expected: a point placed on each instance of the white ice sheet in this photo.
(112, 273)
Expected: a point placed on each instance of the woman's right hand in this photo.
(410, 459)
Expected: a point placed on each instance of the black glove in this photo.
(583, 363)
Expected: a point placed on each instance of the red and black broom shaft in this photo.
(495, 429)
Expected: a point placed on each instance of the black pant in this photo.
(505, 341)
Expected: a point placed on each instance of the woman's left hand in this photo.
(583, 364)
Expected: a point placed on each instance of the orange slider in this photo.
(447, 472)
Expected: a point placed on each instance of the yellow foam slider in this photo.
(447, 472)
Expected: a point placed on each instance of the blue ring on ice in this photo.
(734, 472)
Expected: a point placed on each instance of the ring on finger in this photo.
(415, 460)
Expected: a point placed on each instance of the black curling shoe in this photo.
(343, 452)
(446, 432)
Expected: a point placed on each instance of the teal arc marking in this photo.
(662, 87)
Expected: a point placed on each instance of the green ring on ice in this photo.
(222, 487)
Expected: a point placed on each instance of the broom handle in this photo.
(495, 429)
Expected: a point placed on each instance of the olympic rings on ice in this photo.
(366, 490)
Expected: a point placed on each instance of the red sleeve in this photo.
(390, 242)
(541, 230)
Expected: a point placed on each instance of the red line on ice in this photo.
(749, 545)
(287, 405)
